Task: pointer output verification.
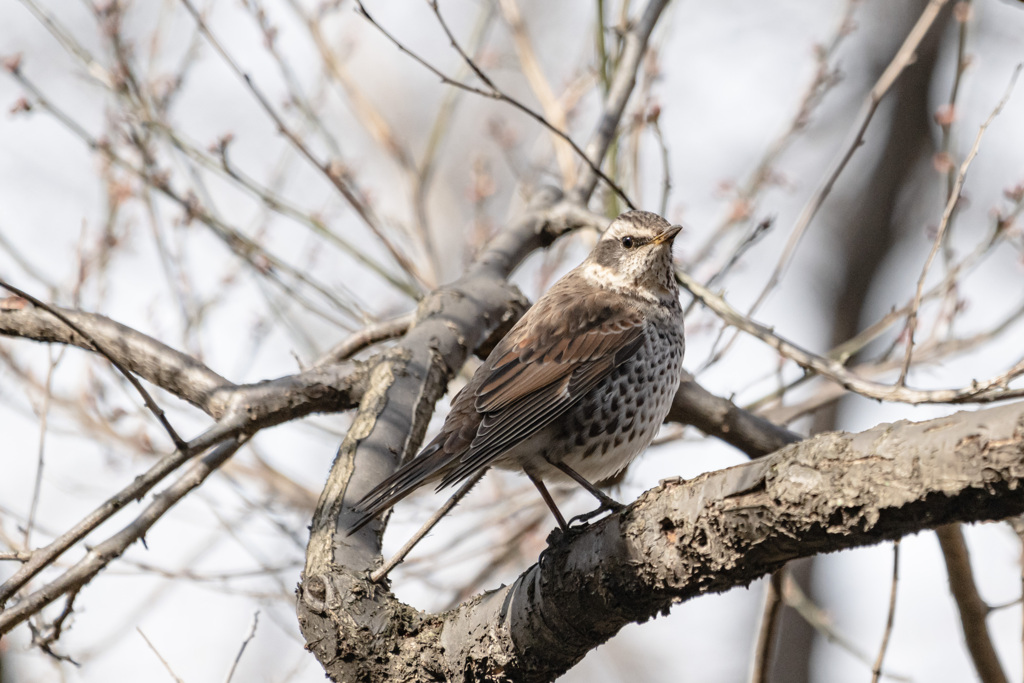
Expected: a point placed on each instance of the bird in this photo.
(577, 388)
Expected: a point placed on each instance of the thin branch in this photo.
(904, 57)
(331, 170)
(245, 642)
(276, 202)
(947, 115)
(159, 656)
(44, 636)
(666, 167)
(819, 620)
(972, 608)
(752, 238)
(171, 370)
(947, 214)
(254, 407)
(369, 335)
(769, 625)
(992, 389)
(98, 557)
(25, 264)
(634, 45)
(876, 670)
(531, 69)
(179, 443)
(250, 252)
(493, 93)
(497, 93)
(826, 76)
(452, 501)
(44, 416)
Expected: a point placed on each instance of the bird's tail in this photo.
(418, 471)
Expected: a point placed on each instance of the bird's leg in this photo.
(549, 501)
(607, 503)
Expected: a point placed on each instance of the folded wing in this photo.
(561, 349)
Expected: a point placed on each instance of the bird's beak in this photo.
(668, 235)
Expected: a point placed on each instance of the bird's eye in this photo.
(628, 242)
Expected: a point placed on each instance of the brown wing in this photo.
(559, 351)
(564, 345)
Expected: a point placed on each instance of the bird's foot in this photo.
(607, 505)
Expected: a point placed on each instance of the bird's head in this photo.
(635, 255)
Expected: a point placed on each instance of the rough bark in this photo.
(680, 540)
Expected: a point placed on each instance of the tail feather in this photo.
(418, 471)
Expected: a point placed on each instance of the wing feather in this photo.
(537, 378)
(564, 346)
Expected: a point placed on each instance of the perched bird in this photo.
(578, 387)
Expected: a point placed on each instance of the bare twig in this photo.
(277, 203)
(44, 414)
(946, 116)
(947, 214)
(241, 648)
(769, 623)
(260, 405)
(159, 656)
(534, 74)
(666, 169)
(634, 45)
(876, 670)
(331, 170)
(820, 622)
(752, 238)
(25, 264)
(452, 501)
(247, 249)
(44, 636)
(931, 351)
(992, 389)
(826, 76)
(904, 58)
(101, 555)
(179, 443)
(493, 92)
(369, 335)
(140, 354)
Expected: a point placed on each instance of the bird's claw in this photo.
(608, 505)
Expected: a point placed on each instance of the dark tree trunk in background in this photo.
(862, 236)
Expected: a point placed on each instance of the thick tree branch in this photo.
(720, 417)
(241, 408)
(157, 363)
(680, 540)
